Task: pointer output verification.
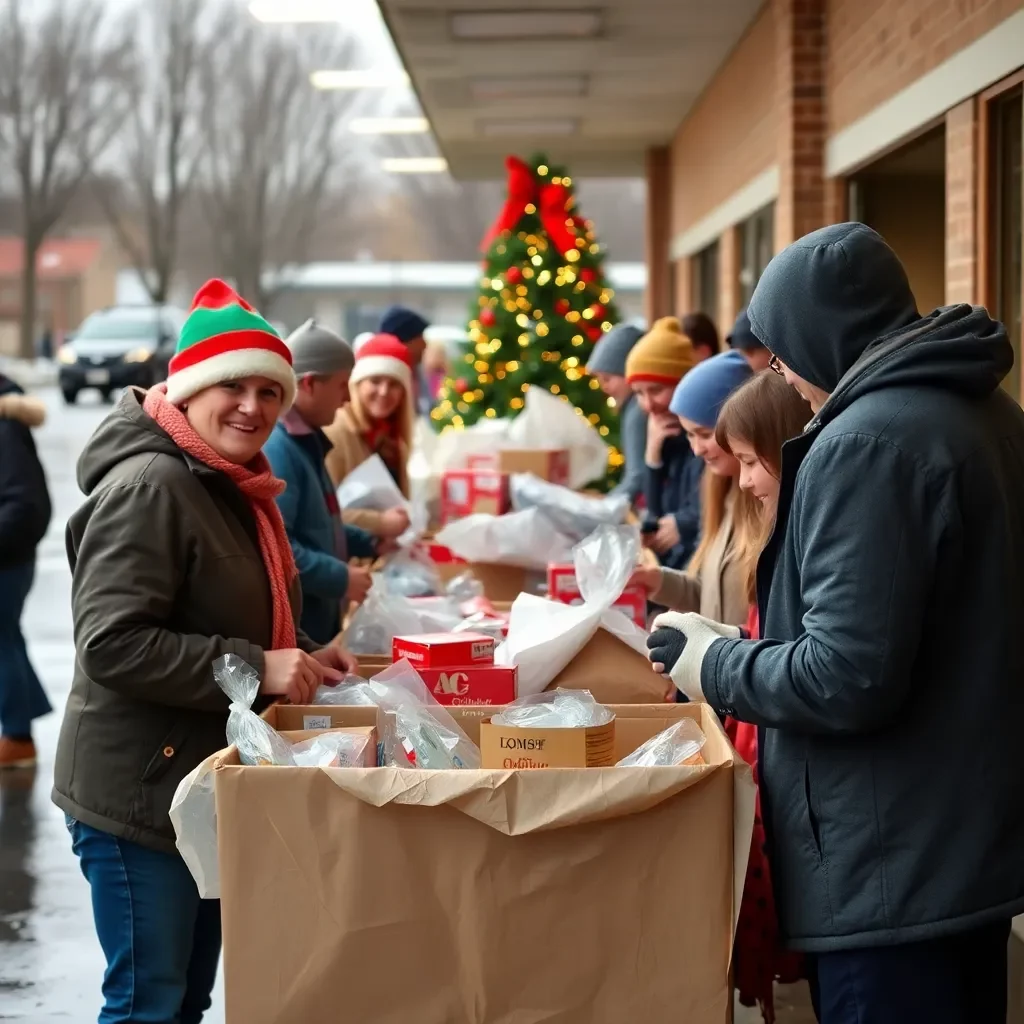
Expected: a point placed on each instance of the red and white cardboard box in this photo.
(562, 587)
(444, 650)
(472, 684)
(467, 491)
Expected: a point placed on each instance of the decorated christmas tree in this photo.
(543, 303)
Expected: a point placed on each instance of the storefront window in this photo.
(704, 285)
(757, 245)
(1007, 217)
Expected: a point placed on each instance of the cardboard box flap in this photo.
(518, 802)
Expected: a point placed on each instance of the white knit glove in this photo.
(680, 640)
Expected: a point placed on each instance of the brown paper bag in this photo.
(613, 672)
(576, 896)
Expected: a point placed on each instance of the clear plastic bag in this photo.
(353, 690)
(379, 619)
(525, 539)
(674, 745)
(412, 573)
(554, 709)
(256, 741)
(332, 750)
(371, 485)
(574, 515)
(464, 587)
(415, 730)
(604, 562)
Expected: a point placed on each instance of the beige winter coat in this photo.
(350, 450)
(718, 590)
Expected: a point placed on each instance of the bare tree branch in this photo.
(272, 162)
(62, 90)
(161, 143)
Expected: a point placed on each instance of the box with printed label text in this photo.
(444, 650)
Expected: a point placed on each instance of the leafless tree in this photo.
(273, 164)
(62, 97)
(159, 148)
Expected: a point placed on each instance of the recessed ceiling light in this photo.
(414, 164)
(381, 78)
(296, 11)
(530, 126)
(532, 24)
(516, 86)
(388, 125)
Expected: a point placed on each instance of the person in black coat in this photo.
(887, 683)
(24, 515)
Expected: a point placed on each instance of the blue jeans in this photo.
(22, 698)
(960, 979)
(161, 941)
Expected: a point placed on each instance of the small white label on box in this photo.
(481, 650)
(316, 722)
(458, 490)
(487, 484)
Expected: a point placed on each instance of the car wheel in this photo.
(70, 397)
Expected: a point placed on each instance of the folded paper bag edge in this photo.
(518, 802)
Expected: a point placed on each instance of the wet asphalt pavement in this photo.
(51, 965)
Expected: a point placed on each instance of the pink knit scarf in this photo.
(260, 487)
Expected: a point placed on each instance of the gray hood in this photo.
(126, 431)
(824, 299)
(609, 355)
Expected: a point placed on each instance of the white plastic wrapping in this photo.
(675, 745)
(544, 636)
(574, 515)
(370, 485)
(385, 615)
(410, 572)
(193, 814)
(525, 539)
(556, 709)
(332, 750)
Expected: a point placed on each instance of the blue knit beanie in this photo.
(700, 395)
(404, 324)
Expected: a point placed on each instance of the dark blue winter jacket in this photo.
(890, 681)
(673, 489)
(320, 542)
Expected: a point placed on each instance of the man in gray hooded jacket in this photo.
(889, 683)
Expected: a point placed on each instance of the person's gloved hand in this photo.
(678, 644)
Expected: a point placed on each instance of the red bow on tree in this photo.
(552, 202)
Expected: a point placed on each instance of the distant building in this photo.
(350, 297)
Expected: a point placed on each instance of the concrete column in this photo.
(801, 88)
(659, 297)
(962, 204)
(684, 299)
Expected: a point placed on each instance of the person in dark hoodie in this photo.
(178, 557)
(887, 684)
(24, 515)
(672, 473)
(321, 542)
(409, 328)
(608, 364)
(742, 339)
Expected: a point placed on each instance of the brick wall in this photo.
(730, 135)
(878, 47)
(961, 204)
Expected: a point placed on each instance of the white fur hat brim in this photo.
(246, 362)
(382, 366)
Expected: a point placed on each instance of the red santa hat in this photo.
(383, 355)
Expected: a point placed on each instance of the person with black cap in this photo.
(608, 364)
(742, 339)
(409, 328)
(887, 685)
(321, 542)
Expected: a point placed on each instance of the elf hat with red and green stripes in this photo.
(223, 339)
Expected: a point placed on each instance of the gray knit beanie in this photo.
(609, 355)
(315, 349)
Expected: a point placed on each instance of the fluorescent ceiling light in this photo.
(388, 125)
(530, 126)
(296, 11)
(414, 164)
(516, 87)
(371, 78)
(532, 24)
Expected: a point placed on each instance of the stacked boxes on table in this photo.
(458, 668)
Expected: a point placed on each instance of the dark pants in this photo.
(161, 941)
(22, 698)
(957, 980)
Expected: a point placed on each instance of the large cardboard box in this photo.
(577, 896)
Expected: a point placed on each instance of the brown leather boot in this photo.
(17, 753)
